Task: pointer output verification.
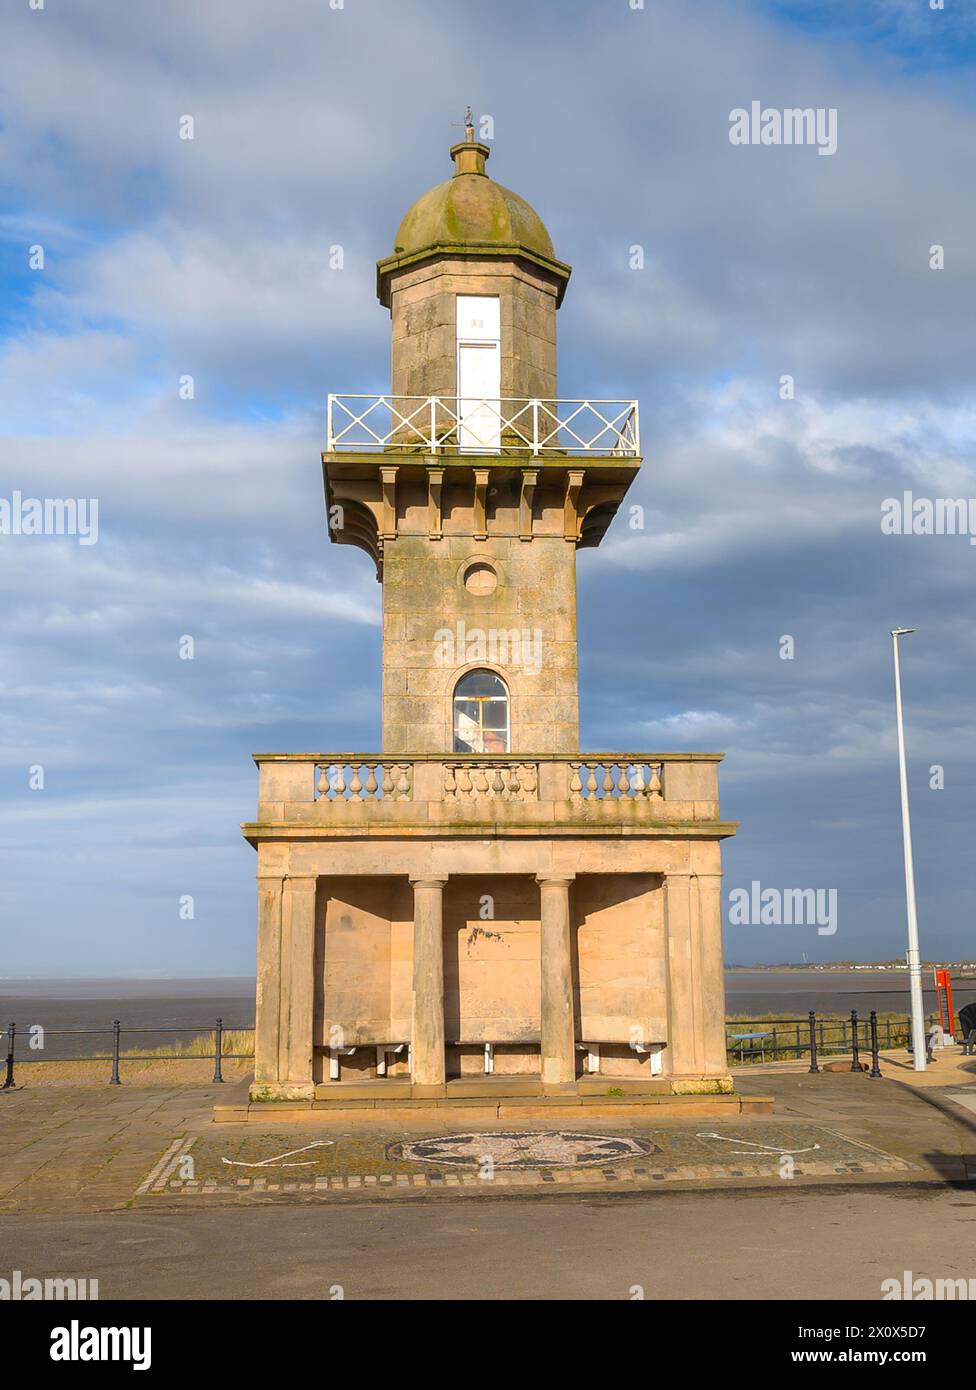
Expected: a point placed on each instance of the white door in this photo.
(479, 372)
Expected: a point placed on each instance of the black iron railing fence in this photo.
(747, 1040)
(218, 1055)
(757, 1040)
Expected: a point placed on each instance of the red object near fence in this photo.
(943, 990)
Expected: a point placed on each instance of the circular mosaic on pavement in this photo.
(548, 1148)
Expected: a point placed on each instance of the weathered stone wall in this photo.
(363, 957)
(424, 594)
(621, 987)
(338, 911)
(363, 962)
(424, 325)
(492, 965)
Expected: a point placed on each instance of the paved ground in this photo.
(87, 1149)
(483, 1161)
(948, 1067)
(86, 1189)
(783, 1243)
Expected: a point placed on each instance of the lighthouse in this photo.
(480, 908)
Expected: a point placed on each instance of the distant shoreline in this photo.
(130, 987)
(241, 987)
(858, 965)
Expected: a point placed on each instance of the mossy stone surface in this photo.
(472, 209)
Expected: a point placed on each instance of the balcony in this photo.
(325, 794)
(449, 424)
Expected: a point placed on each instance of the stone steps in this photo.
(499, 1103)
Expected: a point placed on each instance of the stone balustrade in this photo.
(372, 779)
(597, 779)
(331, 790)
(471, 781)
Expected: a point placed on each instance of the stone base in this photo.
(499, 1098)
(702, 1086)
(261, 1091)
(465, 1087)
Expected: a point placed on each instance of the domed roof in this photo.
(470, 212)
(471, 208)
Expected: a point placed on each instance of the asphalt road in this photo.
(816, 1242)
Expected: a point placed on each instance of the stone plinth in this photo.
(549, 920)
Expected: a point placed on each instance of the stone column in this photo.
(427, 1033)
(696, 987)
(297, 984)
(558, 1049)
(685, 1055)
(266, 1021)
(712, 974)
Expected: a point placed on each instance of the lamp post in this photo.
(919, 1054)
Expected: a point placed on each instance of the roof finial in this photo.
(469, 154)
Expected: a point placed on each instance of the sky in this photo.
(316, 125)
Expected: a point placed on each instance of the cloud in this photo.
(210, 257)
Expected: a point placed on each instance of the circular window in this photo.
(480, 579)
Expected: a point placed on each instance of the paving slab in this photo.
(97, 1148)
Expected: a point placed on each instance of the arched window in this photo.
(481, 714)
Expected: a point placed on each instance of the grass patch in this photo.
(234, 1042)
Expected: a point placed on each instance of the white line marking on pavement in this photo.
(147, 1182)
(754, 1146)
(184, 1147)
(276, 1161)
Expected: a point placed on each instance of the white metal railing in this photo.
(433, 424)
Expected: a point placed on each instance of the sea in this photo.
(153, 1013)
(796, 992)
(156, 1012)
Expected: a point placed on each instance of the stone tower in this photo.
(480, 905)
(475, 507)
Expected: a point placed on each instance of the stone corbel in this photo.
(435, 481)
(481, 504)
(388, 524)
(572, 518)
(530, 476)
